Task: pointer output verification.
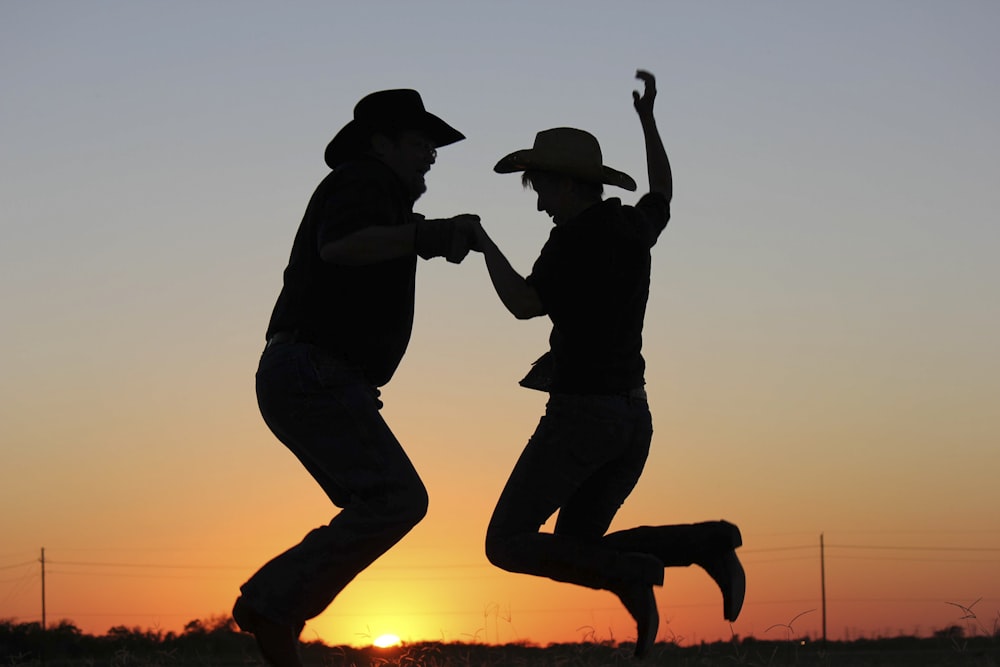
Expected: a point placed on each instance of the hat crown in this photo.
(389, 107)
(568, 145)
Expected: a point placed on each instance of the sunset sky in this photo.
(822, 337)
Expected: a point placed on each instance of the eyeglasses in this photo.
(422, 145)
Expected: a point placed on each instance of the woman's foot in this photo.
(725, 568)
(641, 604)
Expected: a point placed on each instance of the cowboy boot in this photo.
(636, 594)
(710, 544)
(723, 565)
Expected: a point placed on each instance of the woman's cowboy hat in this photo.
(569, 151)
(387, 110)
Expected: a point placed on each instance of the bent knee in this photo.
(407, 509)
(418, 506)
(500, 552)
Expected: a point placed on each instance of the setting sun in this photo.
(385, 641)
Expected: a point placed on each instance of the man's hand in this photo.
(450, 238)
(463, 237)
(644, 103)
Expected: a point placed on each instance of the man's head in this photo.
(561, 196)
(409, 153)
(394, 126)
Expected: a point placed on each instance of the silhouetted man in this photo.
(588, 451)
(338, 331)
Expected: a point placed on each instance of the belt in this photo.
(638, 395)
(638, 392)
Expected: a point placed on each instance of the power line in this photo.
(190, 566)
(777, 560)
(11, 567)
(394, 573)
(165, 566)
(908, 548)
(121, 575)
(918, 560)
(454, 566)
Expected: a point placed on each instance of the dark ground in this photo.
(983, 652)
(218, 645)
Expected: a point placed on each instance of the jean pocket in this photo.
(588, 434)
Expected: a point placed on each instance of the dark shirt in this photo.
(363, 314)
(592, 277)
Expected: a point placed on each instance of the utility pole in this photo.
(43, 588)
(42, 646)
(822, 576)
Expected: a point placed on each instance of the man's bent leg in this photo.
(330, 420)
(278, 643)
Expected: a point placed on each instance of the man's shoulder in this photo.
(650, 201)
(612, 216)
(652, 215)
(353, 183)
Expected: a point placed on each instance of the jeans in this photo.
(583, 460)
(328, 416)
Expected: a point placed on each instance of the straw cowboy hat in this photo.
(387, 110)
(569, 151)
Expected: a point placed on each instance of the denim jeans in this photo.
(328, 416)
(583, 460)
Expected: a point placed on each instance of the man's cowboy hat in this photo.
(387, 110)
(566, 150)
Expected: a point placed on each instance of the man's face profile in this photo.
(410, 158)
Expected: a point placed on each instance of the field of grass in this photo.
(217, 643)
(902, 652)
(907, 653)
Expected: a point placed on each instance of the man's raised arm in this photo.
(657, 165)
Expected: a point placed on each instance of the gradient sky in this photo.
(821, 342)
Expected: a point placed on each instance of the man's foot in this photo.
(727, 571)
(641, 604)
(277, 643)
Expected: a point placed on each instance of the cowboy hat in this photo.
(566, 150)
(387, 110)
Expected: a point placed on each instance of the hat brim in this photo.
(352, 140)
(527, 160)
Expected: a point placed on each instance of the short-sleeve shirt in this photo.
(363, 314)
(592, 277)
